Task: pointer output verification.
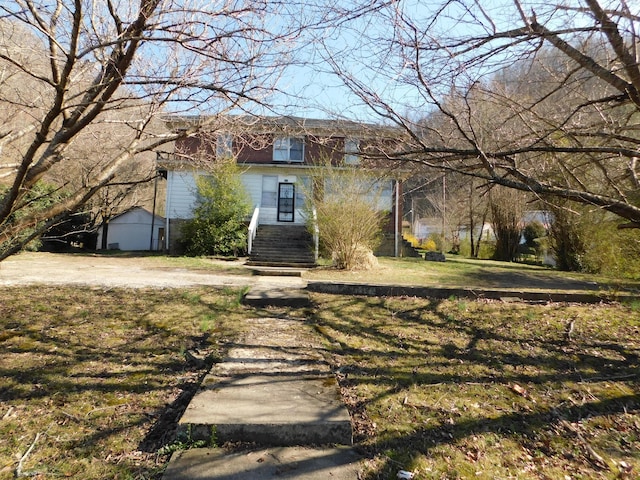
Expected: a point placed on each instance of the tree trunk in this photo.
(105, 233)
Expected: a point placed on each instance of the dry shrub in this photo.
(347, 211)
(362, 258)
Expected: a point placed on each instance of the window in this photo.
(351, 151)
(224, 146)
(288, 149)
(303, 189)
(269, 191)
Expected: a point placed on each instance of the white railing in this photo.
(316, 235)
(253, 229)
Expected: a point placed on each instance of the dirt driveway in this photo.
(115, 271)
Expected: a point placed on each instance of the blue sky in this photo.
(313, 90)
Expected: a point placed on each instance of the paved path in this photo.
(276, 391)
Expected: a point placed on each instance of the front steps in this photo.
(282, 246)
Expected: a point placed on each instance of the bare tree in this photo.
(506, 216)
(97, 69)
(536, 96)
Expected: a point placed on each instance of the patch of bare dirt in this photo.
(31, 268)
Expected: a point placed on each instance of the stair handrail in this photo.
(253, 228)
(316, 234)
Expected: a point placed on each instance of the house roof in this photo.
(281, 124)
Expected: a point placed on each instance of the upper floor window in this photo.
(288, 149)
(351, 151)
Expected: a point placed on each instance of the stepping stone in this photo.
(281, 463)
(269, 410)
(264, 296)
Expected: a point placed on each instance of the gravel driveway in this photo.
(114, 271)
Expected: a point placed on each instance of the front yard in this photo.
(460, 389)
(92, 381)
(472, 273)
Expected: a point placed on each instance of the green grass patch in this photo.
(458, 271)
(480, 389)
(85, 383)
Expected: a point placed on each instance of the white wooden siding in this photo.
(132, 231)
(181, 191)
(181, 194)
(252, 180)
(253, 185)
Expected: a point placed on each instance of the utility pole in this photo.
(444, 212)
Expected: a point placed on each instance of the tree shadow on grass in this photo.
(99, 375)
(423, 377)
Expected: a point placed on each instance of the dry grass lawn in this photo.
(92, 382)
(460, 389)
(472, 273)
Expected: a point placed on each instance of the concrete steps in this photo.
(270, 296)
(275, 391)
(282, 245)
(269, 410)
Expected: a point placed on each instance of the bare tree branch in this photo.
(102, 75)
(545, 102)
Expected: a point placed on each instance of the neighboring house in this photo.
(278, 156)
(422, 228)
(427, 226)
(132, 229)
(545, 217)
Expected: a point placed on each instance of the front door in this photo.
(286, 202)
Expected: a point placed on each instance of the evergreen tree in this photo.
(222, 205)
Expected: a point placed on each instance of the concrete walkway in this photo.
(274, 392)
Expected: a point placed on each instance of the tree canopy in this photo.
(537, 96)
(80, 77)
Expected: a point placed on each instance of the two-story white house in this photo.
(277, 156)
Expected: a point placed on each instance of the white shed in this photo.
(131, 230)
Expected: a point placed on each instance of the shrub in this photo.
(533, 231)
(349, 222)
(486, 249)
(439, 241)
(412, 239)
(506, 212)
(588, 240)
(536, 242)
(568, 240)
(429, 244)
(218, 225)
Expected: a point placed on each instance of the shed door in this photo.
(286, 202)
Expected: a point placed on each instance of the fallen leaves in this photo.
(523, 392)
